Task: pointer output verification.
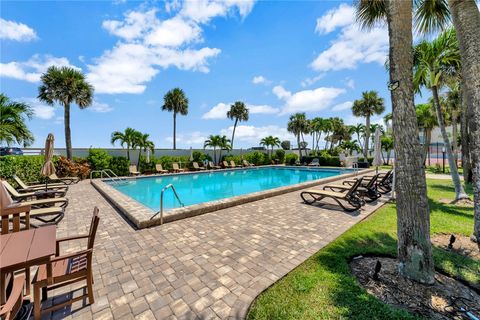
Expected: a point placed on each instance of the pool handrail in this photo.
(109, 173)
(168, 186)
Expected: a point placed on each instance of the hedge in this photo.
(26, 167)
(324, 160)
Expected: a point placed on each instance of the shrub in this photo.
(119, 165)
(167, 161)
(26, 167)
(79, 168)
(98, 159)
(285, 145)
(329, 161)
(280, 155)
(256, 157)
(236, 159)
(291, 158)
(369, 159)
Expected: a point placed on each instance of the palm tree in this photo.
(216, 141)
(433, 62)
(359, 130)
(426, 120)
(144, 144)
(298, 125)
(224, 145)
(127, 138)
(466, 19)
(413, 214)
(270, 141)
(350, 146)
(369, 105)
(175, 101)
(239, 112)
(12, 122)
(387, 146)
(65, 85)
(453, 108)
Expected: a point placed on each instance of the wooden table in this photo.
(24, 249)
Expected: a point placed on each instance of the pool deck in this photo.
(143, 217)
(210, 266)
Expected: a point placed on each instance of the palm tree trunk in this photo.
(466, 19)
(68, 134)
(174, 130)
(459, 191)
(298, 144)
(367, 137)
(215, 155)
(465, 145)
(233, 132)
(455, 139)
(413, 214)
(128, 151)
(426, 146)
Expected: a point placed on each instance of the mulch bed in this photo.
(462, 245)
(442, 300)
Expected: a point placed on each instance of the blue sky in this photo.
(278, 57)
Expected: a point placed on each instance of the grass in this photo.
(323, 288)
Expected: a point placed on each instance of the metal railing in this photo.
(109, 174)
(168, 186)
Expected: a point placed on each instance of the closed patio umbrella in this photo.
(377, 150)
(147, 160)
(48, 168)
(191, 154)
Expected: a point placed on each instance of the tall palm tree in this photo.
(12, 122)
(175, 101)
(426, 120)
(413, 214)
(65, 85)
(327, 128)
(224, 145)
(466, 19)
(144, 144)
(433, 61)
(370, 104)
(359, 130)
(238, 112)
(216, 141)
(271, 142)
(127, 138)
(453, 108)
(298, 125)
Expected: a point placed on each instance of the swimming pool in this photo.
(196, 188)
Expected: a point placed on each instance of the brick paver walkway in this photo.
(206, 267)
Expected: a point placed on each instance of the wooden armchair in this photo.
(63, 270)
(12, 306)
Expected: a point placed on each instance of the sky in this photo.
(279, 57)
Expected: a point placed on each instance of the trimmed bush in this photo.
(236, 159)
(279, 155)
(325, 160)
(119, 165)
(291, 158)
(26, 167)
(98, 159)
(257, 158)
(369, 159)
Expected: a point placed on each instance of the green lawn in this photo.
(322, 287)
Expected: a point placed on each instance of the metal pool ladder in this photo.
(161, 201)
(109, 174)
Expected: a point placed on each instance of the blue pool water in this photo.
(197, 188)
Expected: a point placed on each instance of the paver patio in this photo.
(205, 267)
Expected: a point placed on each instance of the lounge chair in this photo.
(159, 168)
(196, 166)
(64, 180)
(315, 163)
(40, 194)
(212, 166)
(384, 182)
(247, 164)
(176, 168)
(225, 164)
(37, 187)
(64, 270)
(132, 169)
(233, 164)
(367, 189)
(349, 201)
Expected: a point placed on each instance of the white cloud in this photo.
(40, 110)
(252, 134)
(349, 82)
(310, 81)
(343, 106)
(334, 18)
(352, 120)
(352, 46)
(192, 139)
(32, 69)
(307, 100)
(12, 30)
(260, 80)
(220, 110)
(148, 44)
(100, 107)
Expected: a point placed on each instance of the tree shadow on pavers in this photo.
(68, 310)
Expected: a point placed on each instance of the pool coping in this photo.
(141, 216)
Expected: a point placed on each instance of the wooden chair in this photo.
(63, 270)
(12, 306)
